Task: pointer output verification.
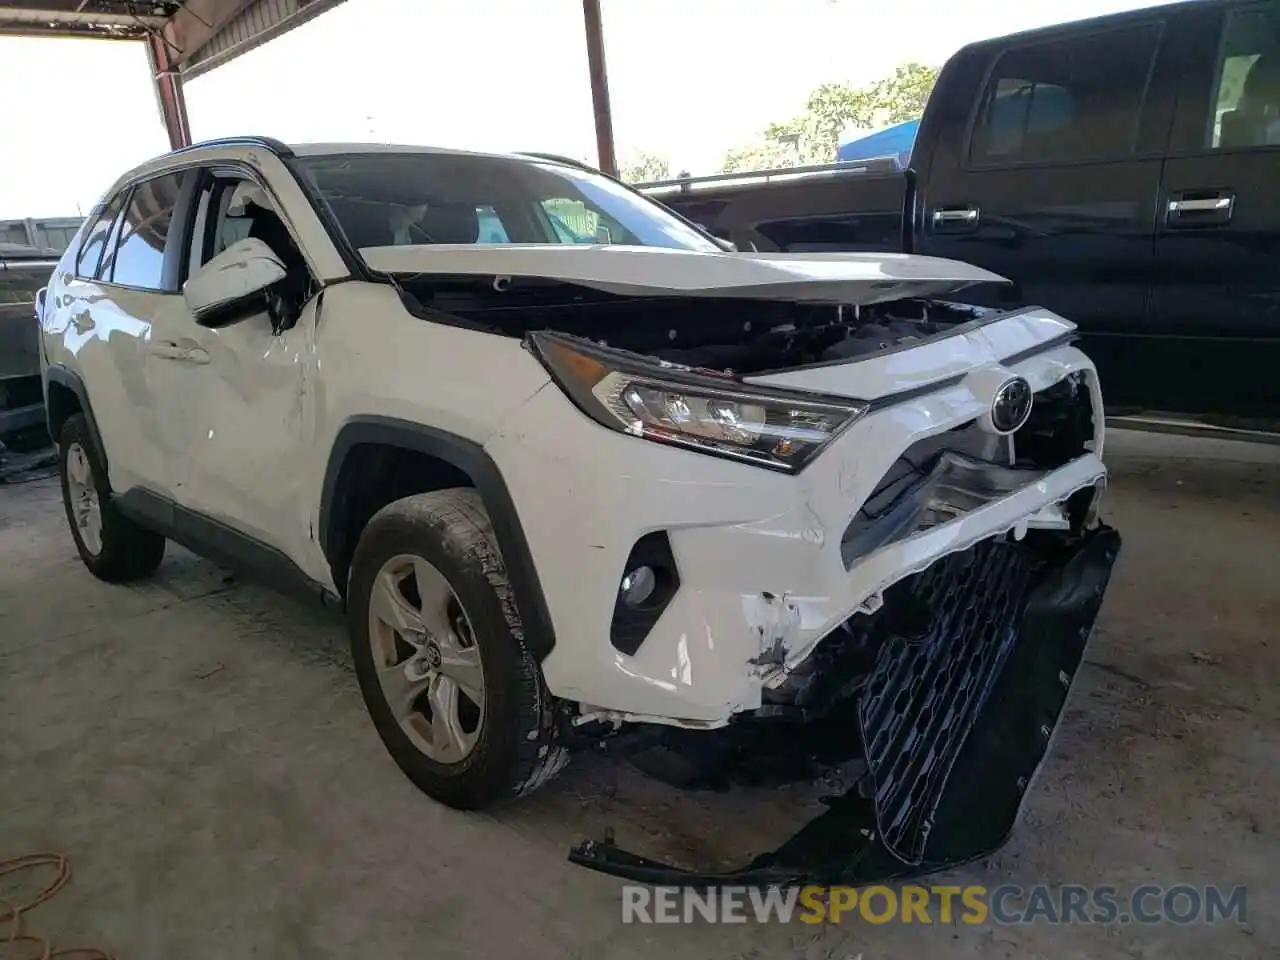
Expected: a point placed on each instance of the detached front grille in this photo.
(919, 490)
(933, 674)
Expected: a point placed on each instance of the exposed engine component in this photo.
(731, 336)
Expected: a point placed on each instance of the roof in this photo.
(197, 35)
(168, 160)
(1102, 21)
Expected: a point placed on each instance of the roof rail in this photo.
(556, 158)
(886, 164)
(277, 147)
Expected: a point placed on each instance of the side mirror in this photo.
(233, 285)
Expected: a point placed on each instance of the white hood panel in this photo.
(657, 271)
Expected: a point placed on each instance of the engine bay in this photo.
(730, 336)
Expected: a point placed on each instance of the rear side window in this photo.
(1247, 98)
(139, 253)
(1073, 99)
(95, 241)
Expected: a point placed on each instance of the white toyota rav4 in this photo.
(573, 467)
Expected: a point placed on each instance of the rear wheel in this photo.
(112, 546)
(438, 647)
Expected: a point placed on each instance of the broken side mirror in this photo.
(235, 285)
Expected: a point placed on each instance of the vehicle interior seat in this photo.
(450, 223)
(1255, 121)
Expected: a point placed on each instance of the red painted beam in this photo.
(173, 104)
(599, 87)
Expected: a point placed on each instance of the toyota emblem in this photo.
(1011, 405)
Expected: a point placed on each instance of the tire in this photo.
(513, 748)
(117, 550)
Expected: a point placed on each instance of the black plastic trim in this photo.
(216, 541)
(471, 459)
(64, 377)
(630, 626)
(280, 149)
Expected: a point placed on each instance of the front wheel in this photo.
(112, 546)
(453, 691)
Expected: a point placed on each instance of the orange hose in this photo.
(13, 914)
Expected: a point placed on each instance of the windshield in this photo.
(391, 199)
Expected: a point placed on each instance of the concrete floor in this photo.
(199, 749)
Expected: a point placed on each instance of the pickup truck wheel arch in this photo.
(464, 456)
(57, 411)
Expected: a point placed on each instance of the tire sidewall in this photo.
(494, 764)
(75, 432)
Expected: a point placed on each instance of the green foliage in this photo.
(814, 136)
(643, 167)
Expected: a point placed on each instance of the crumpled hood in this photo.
(859, 278)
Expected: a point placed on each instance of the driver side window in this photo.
(229, 209)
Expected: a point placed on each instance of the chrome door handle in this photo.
(953, 218)
(1208, 205)
(1210, 209)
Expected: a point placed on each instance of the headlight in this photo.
(680, 406)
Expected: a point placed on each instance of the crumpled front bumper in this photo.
(959, 706)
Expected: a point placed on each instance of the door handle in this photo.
(168, 350)
(1194, 208)
(954, 219)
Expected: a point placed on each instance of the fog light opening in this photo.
(645, 586)
(638, 586)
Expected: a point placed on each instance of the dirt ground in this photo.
(198, 748)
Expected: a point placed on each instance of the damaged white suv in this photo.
(574, 469)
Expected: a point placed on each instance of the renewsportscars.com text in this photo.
(975, 905)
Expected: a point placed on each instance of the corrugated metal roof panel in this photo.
(252, 27)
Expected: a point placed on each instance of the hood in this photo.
(858, 278)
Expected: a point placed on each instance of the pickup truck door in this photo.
(1217, 295)
(1052, 184)
(233, 410)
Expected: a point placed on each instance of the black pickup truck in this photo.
(1122, 171)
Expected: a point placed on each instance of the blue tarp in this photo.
(894, 142)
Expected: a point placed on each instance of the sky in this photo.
(688, 80)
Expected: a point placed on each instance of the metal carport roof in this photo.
(185, 38)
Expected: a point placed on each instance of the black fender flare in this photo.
(470, 458)
(64, 376)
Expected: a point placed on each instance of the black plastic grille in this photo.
(1060, 425)
(927, 691)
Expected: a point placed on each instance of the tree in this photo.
(643, 167)
(902, 96)
(814, 136)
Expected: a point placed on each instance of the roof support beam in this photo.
(169, 95)
(599, 87)
(196, 23)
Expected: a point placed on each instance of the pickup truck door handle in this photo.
(1200, 208)
(955, 219)
(182, 352)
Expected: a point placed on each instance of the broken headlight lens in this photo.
(692, 410)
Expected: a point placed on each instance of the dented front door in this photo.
(232, 408)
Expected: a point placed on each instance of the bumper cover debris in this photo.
(958, 683)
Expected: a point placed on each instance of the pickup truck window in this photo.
(1247, 99)
(1077, 98)
(385, 199)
